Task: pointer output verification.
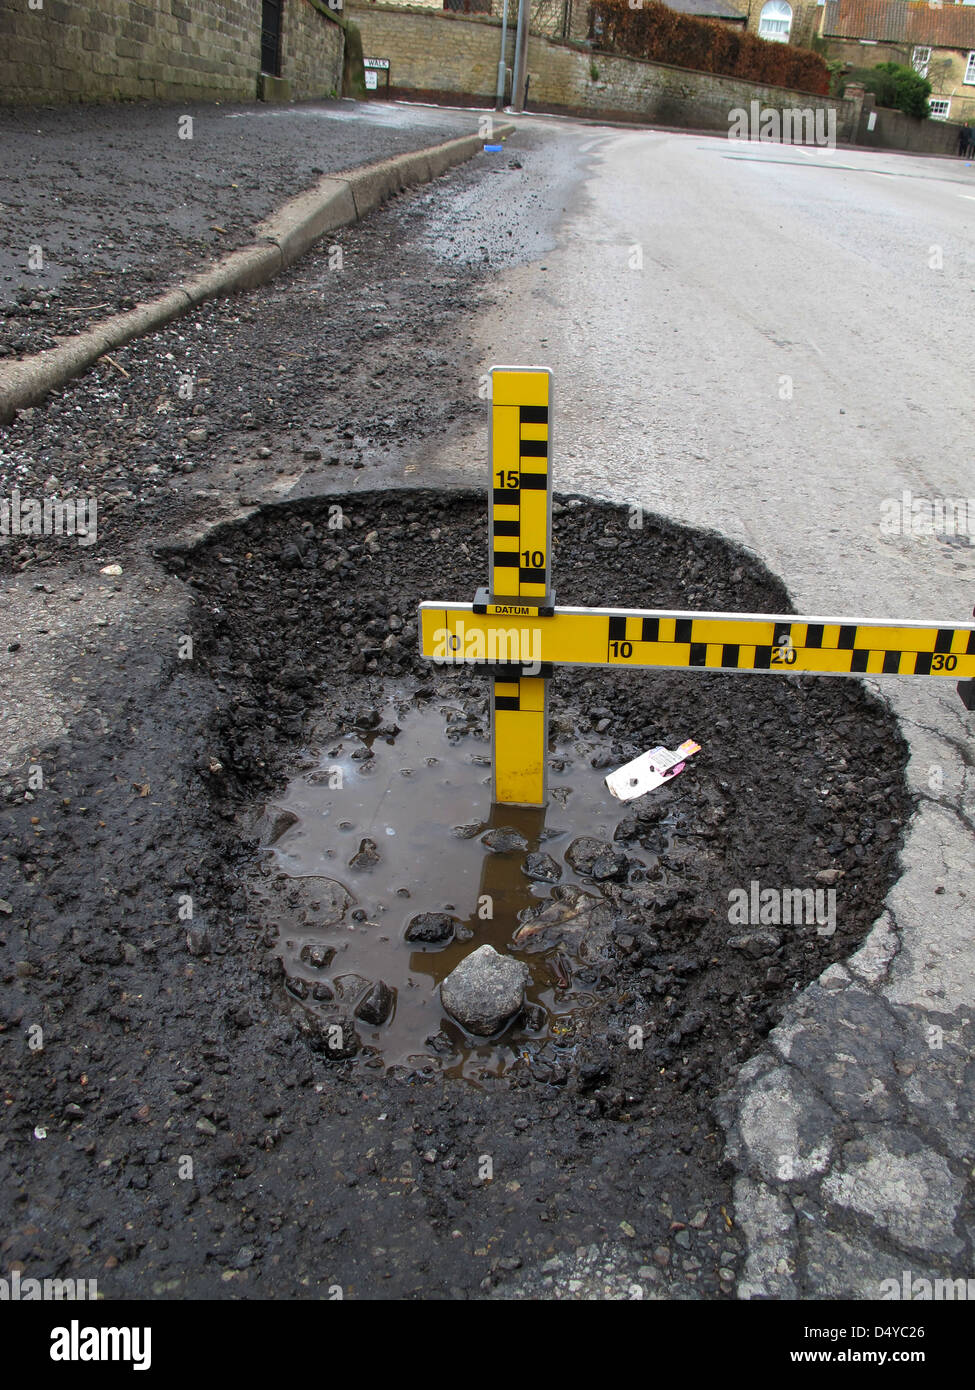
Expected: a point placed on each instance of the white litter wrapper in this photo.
(650, 770)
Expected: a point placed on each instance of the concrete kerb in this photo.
(372, 184)
(333, 202)
(304, 219)
(28, 381)
(241, 270)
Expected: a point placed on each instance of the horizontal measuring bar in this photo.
(454, 633)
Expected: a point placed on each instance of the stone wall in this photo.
(865, 55)
(162, 50)
(892, 130)
(564, 79)
(311, 50)
(455, 58)
(434, 52)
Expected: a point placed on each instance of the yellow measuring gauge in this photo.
(515, 627)
(520, 511)
(518, 719)
(456, 634)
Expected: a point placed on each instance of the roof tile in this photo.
(902, 21)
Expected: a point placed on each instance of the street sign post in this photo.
(515, 628)
(372, 68)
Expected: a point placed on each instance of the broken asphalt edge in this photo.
(335, 201)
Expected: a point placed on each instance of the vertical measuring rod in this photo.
(520, 562)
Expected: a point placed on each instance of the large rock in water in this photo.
(485, 991)
(583, 853)
(377, 1005)
(434, 927)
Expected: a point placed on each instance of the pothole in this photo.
(389, 865)
(642, 981)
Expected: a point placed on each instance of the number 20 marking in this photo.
(785, 652)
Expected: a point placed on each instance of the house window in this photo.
(776, 21)
(939, 110)
(920, 59)
(970, 69)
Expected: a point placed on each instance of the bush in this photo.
(837, 76)
(667, 36)
(898, 87)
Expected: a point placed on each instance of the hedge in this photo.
(896, 86)
(666, 36)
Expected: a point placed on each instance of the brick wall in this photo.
(163, 50)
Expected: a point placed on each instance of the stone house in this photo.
(938, 41)
(725, 11)
(782, 21)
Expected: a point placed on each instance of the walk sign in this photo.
(515, 628)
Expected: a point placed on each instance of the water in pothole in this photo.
(394, 821)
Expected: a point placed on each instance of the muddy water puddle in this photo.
(392, 821)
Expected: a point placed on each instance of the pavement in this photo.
(104, 205)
